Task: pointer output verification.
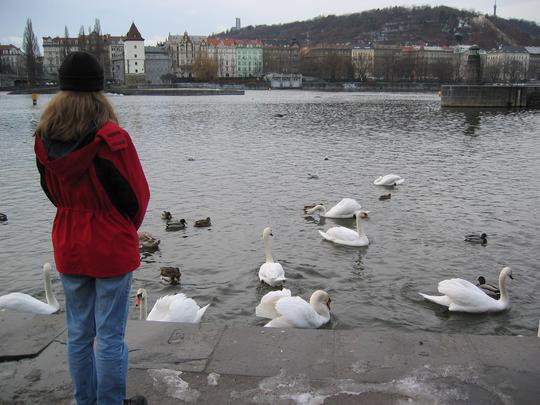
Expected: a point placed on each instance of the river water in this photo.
(238, 161)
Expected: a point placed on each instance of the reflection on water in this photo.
(231, 158)
(473, 121)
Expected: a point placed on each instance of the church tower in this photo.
(495, 9)
(134, 57)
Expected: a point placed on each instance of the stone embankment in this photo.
(144, 91)
(491, 96)
(173, 363)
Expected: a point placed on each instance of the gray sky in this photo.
(156, 18)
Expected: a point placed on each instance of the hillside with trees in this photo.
(400, 25)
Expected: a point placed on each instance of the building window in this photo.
(135, 55)
(135, 46)
(135, 63)
(136, 71)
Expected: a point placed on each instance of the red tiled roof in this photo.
(133, 34)
(6, 47)
(221, 41)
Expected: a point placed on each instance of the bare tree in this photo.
(83, 43)
(97, 46)
(492, 73)
(66, 48)
(31, 51)
(205, 68)
(515, 71)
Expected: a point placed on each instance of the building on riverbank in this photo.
(134, 57)
(157, 65)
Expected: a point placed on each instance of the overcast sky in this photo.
(156, 18)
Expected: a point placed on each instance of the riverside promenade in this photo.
(173, 363)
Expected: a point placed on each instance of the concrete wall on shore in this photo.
(490, 96)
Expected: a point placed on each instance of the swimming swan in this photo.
(170, 308)
(389, 180)
(270, 272)
(343, 209)
(26, 303)
(463, 296)
(293, 312)
(345, 236)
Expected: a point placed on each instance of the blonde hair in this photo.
(69, 114)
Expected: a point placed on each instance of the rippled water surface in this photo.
(231, 158)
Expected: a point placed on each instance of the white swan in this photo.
(345, 236)
(463, 296)
(293, 312)
(389, 180)
(270, 272)
(343, 209)
(170, 308)
(26, 303)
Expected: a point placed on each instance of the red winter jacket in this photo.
(99, 189)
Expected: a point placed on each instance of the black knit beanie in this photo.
(80, 71)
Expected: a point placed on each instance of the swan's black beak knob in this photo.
(510, 276)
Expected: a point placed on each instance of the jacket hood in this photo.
(68, 160)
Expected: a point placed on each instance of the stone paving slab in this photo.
(185, 347)
(265, 351)
(26, 335)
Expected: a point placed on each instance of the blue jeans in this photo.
(96, 313)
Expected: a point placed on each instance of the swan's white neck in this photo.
(321, 309)
(359, 227)
(49, 295)
(267, 252)
(502, 287)
(143, 309)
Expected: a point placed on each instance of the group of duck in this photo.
(283, 309)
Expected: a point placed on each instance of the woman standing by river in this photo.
(91, 172)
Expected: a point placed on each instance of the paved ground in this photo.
(215, 364)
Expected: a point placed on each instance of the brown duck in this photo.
(203, 222)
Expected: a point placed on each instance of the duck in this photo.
(312, 176)
(20, 302)
(489, 289)
(389, 180)
(170, 275)
(170, 308)
(385, 196)
(286, 311)
(270, 272)
(348, 237)
(3, 217)
(166, 215)
(203, 222)
(175, 225)
(147, 241)
(343, 209)
(364, 214)
(474, 238)
(463, 296)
